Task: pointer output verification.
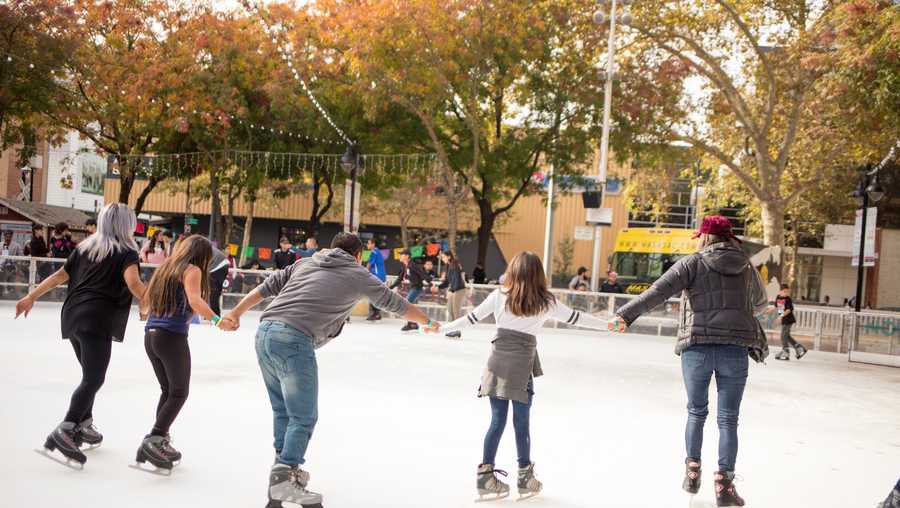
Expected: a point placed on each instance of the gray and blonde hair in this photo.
(115, 232)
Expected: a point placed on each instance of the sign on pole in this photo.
(599, 216)
(348, 184)
(584, 233)
(871, 219)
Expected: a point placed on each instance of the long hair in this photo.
(452, 261)
(156, 234)
(115, 232)
(525, 286)
(163, 290)
(707, 239)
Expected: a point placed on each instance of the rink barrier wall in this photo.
(830, 329)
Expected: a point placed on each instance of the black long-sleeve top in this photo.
(414, 273)
(455, 279)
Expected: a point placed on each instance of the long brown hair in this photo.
(162, 293)
(526, 286)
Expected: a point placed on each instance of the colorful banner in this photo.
(432, 249)
(417, 251)
(397, 252)
(366, 255)
(265, 253)
(385, 253)
(233, 249)
(445, 245)
(248, 252)
(151, 230)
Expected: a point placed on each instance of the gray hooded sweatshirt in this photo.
(315, 295)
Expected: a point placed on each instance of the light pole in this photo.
(350, 162)
(600, 18)
(868, 190)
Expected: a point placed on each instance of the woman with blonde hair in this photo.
(520, 309)
(718, 332)
(102, 275)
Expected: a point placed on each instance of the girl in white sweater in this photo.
(520, 309)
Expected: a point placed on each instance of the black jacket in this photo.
(606, 287)
(414, 274)
(284, 259)
(722, 292)
(455, 280)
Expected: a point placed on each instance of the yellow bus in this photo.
(642, 255)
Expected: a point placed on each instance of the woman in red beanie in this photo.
(717, 332)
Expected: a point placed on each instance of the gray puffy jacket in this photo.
(722, 293)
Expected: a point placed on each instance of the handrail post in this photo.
(817, 337)
(32, 274)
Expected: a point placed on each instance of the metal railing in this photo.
(819, 328)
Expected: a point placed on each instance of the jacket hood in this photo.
(724, 258)
(333, 258)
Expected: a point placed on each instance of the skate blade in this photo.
(69, 463)
(158, 471)
(526, 497)
(487, 498)
(90, 447)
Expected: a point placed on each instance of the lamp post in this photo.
(868, 191)
(601, 18)
(350, 162)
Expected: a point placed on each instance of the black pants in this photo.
(373, 311)
(786, 340)
(171, 359)
(93, 354)
(216, 280)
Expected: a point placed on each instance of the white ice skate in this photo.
(287, 484)
(529, 486)
(490, 488)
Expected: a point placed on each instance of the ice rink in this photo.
(400, 425)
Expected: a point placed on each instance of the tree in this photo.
(499, 87)
(752, 60)
(35, 41)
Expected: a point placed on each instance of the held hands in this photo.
(617, 325)
(230, 322)
(24, 306)
(432, 327)
(434, 290)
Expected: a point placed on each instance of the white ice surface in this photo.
(400, 425)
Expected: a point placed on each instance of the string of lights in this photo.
(286, 51)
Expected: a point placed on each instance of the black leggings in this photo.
(93, 354)
(171, 359)
(216, 280)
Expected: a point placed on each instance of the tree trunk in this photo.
(248, 227)
(485, 228)
(791, 277)
(452, 224)
(229, 223)
(142, 197)
(404, 231)
(215, 216)
(773, 235)
(126, 182)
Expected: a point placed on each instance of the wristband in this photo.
(215, 320)
(430, 323)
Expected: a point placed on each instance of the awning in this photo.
(47, 215)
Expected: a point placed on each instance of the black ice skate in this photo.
(800, 351)
(86, 433)
(893, 499)
(409, 326)
(726, 495)
(152, 451)
(454, 335)
(287, 484)
(529, 486)
(691, 483)
(489, 485)
(63, 439)
(785, 354)
(167, 448)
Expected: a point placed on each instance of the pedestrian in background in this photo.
(455, 284)
(61, 244)
(375, 264)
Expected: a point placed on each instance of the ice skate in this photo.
(800, 350)
(287, 484)
(409, 327)
(167, 448)
(726, 495)
(529, 486)
(152, 451)
(86, 433)
(893, 499)
(490, 488)
(454, 335)
(692, 470)
(63, 439)
(785, 354)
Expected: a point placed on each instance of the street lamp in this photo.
(601, 18)
(350, 162)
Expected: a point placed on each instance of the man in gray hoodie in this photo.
(312, 300)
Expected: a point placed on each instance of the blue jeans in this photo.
(287, 359)
(413, 295)
(521, 417)
(729, 364)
